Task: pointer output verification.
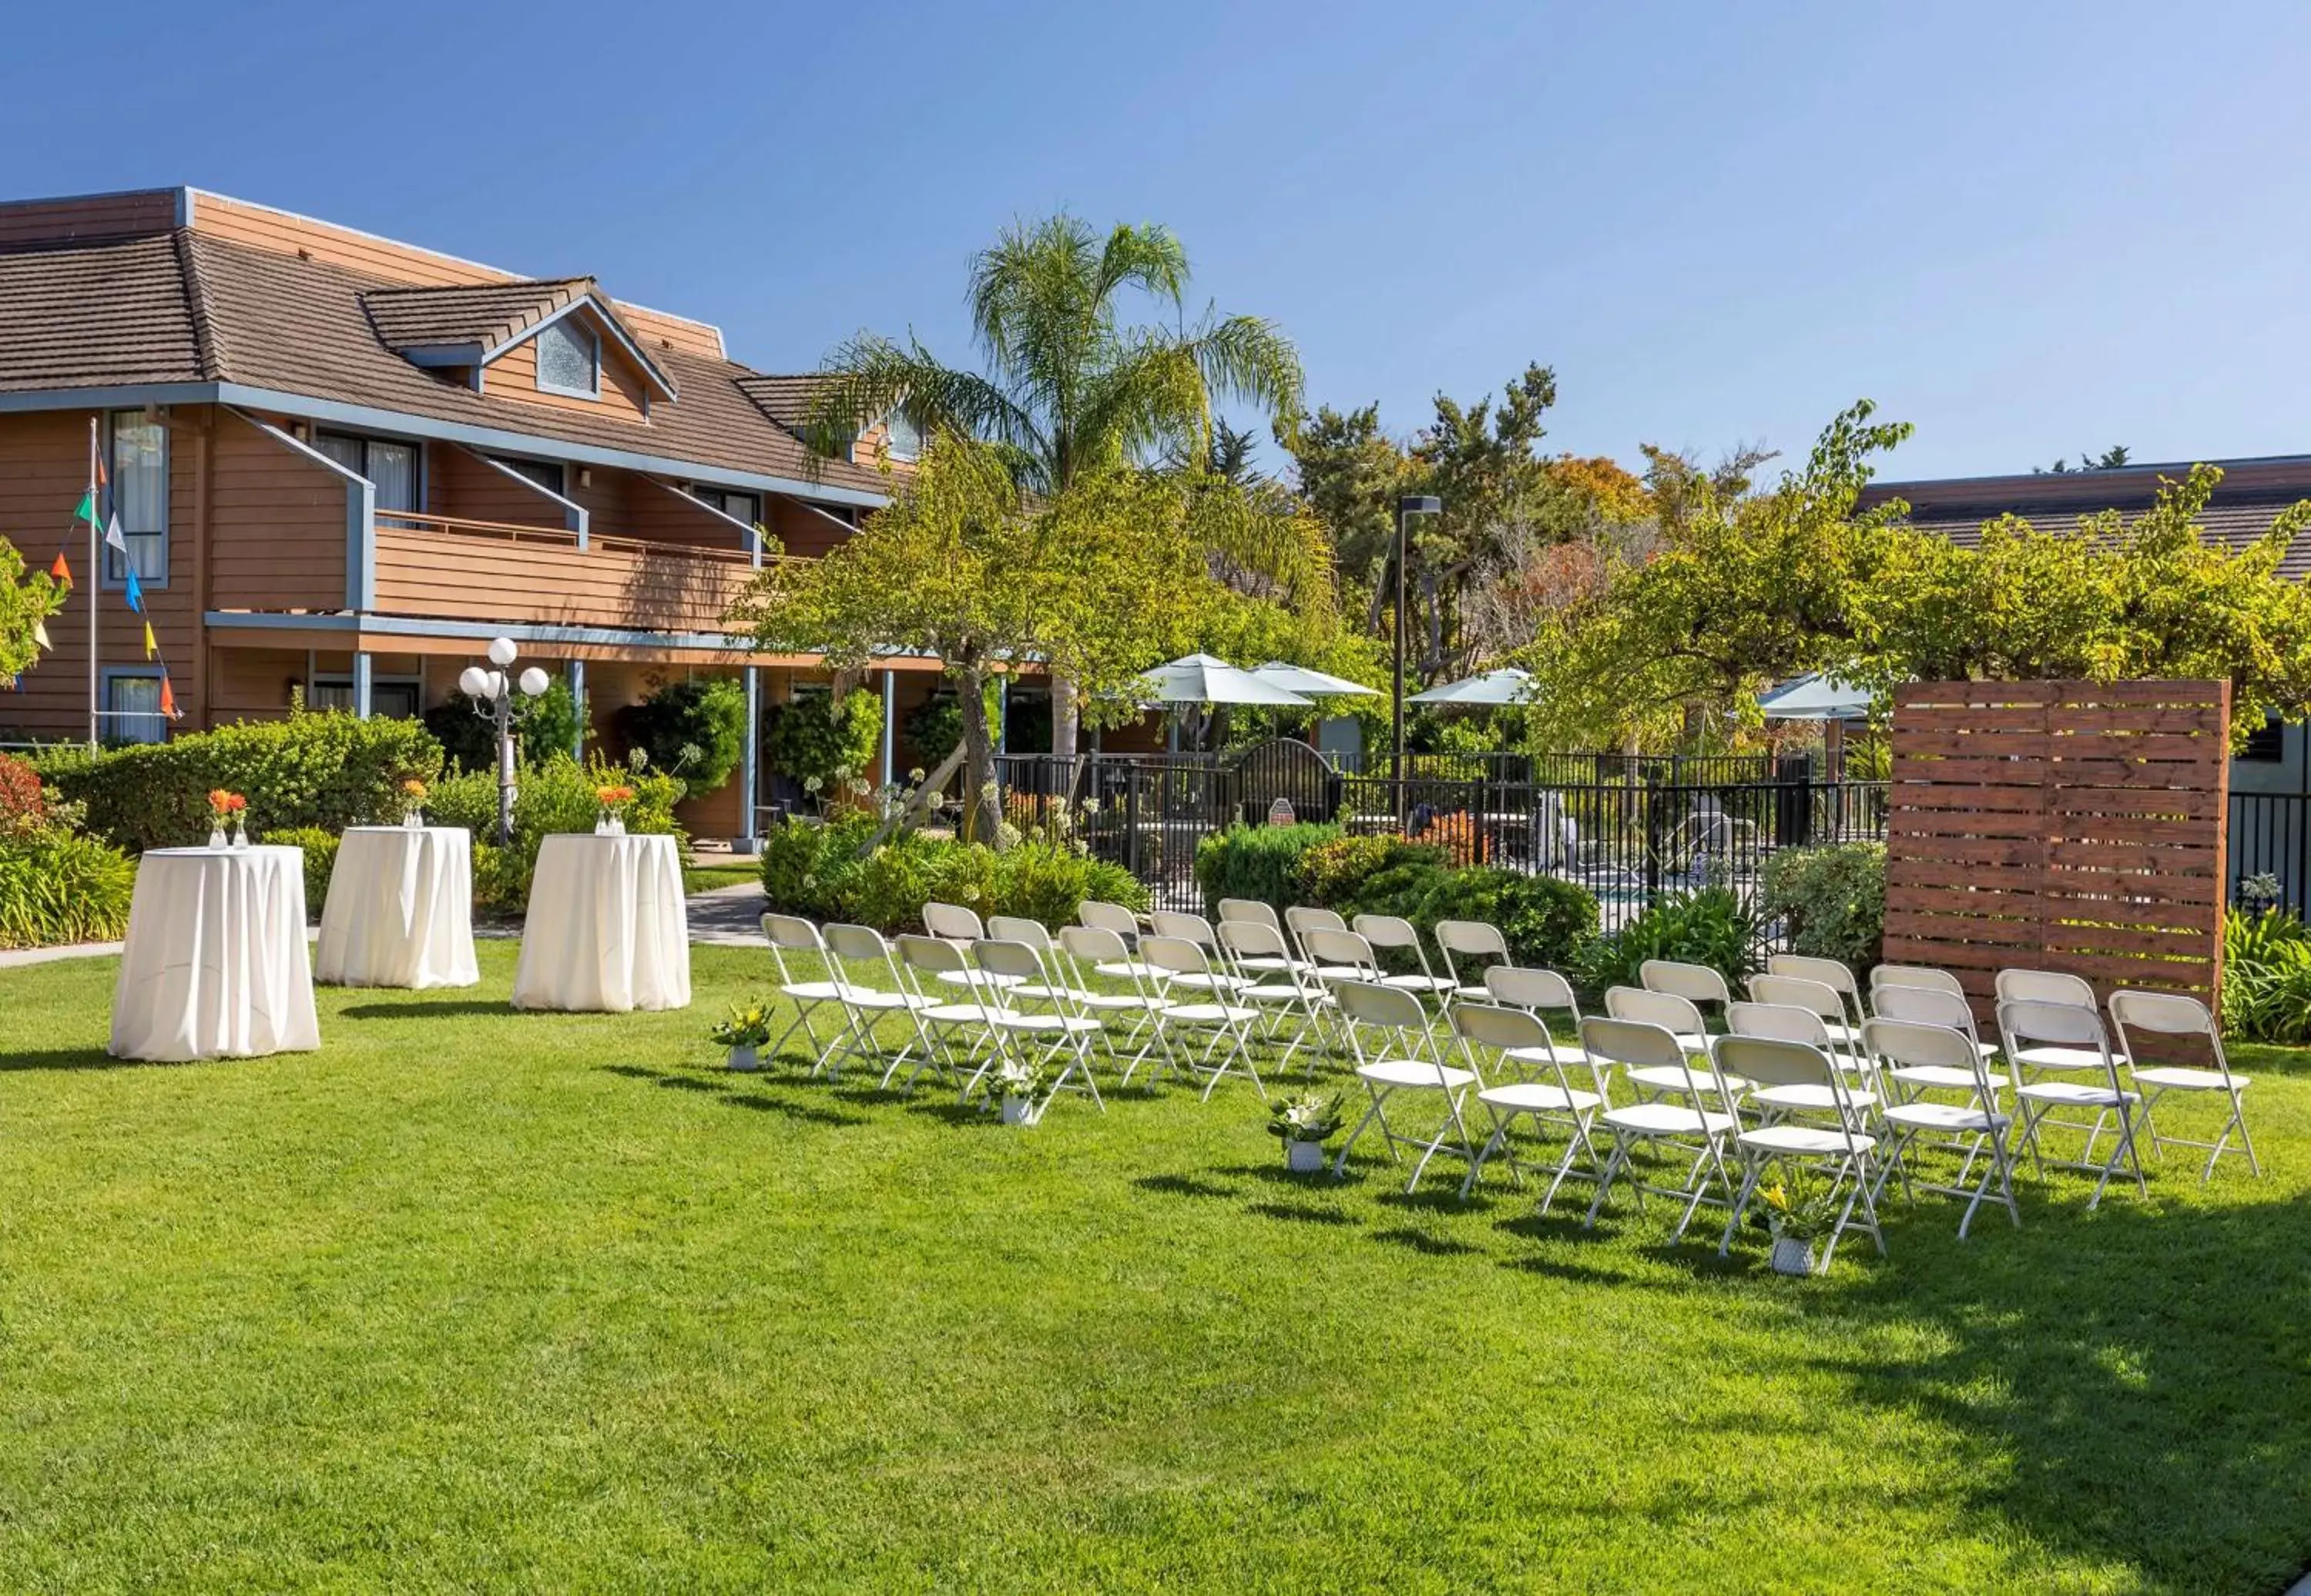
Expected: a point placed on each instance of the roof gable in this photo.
(474, 324)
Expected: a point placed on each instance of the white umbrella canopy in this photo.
(1507, 684)
(1300, 678)
(1200, 678)
(1817, 697)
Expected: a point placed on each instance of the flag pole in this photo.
(95, 582)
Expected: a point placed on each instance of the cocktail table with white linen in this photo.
(606, 929)
(214, 963)
(401, 909)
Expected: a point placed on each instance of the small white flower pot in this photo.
(1018, 1111)
(1304, 1157)
(746, 1057)
(1793, 1256)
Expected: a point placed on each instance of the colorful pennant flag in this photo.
(61, 570)
(168, 696)
(136, 591)
(150, 646)
(87, 510)
(112, 535)
(40, 634)
(103, 479)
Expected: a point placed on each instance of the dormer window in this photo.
(903, 438)
(570, 360)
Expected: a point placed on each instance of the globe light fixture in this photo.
(493, 700)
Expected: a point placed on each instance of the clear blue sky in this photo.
(2030, 229)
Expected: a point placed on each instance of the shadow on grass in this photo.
(428, 1008)
(1182, 1186)
(2134, 1383)
(1425, 1241)
(76, 1058)
(765, 1103)
(1300, 1214)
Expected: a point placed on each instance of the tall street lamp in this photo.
(493, 695)
(1406, 507)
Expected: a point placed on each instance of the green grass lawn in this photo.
(706, 877)
(476, 1300)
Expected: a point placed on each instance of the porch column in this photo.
(890, 725)
(750, 762)
(361, 684)
(1003, 714)
(575, 673)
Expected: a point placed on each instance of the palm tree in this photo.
(1067, 387)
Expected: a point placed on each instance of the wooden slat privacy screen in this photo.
(2060, 825)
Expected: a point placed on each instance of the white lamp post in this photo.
(493, 695)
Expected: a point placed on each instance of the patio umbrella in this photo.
(1817, 697)
(1507, 684)
(1299, 679)
(1200, 679)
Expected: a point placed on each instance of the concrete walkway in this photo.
(727, 917)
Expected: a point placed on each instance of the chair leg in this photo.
(1614, 1164)
(1750, 1169)
(1341, 1164)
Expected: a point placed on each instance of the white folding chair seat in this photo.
(865, 1006)
(1782, 1022)
(1393, 931)
(1394, 1051)
(1908, 1050)
(1841, 1148)
(1701, 1123)
(1225, 1023)
(2066, 1025)
(2053, 986)
(1518, 1038)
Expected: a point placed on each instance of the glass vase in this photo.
(240, 832)
(217, 838)
(415, 820)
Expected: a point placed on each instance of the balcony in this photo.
(449, 568)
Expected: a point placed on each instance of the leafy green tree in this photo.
(1068, 389)
(694, 729)
(26, 600)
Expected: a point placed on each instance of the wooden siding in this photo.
(279, 519)
(2060, 825)
(43, 473)
(513, 375)
(678, 332)
(263, 228)
(505, 574)
(132, 215)
(802, 533)
(459, 483)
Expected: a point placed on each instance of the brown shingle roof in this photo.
(2228, 526)
(487, 314)
(189, 307)
(90, 314)
(785, 399)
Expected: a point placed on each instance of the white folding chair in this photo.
(1225, 1024)
(1096, 948)
(1340, 955)
(1544, 991)
(1464, 943)
(1102, 916)
(1783, 1022)
(1300, 920)
(1062, 1036)
(1390, 931)
(1701, 1124)
(1195, 928)
(1803, 991)
(942, 1021)
(1679, 1017)
(1833, 973)
(2070, 1026)
(959, 927)
(867, 1006)
(2056, 986)
(1546, 1095)
(1840, 1149)
(1912, 975)
(787, 934)
(1273, 982)
(1932, 1006)
(1698, 984)
(1253, 912)
(1251, 909)
(1976, 1125)
(1395, 1051)
(2170, 1013)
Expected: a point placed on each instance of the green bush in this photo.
(1546, 922)
(695, 729)
(1333, 873)
(320, 858)
(1261, 862)
(555, 794)
(543, 727)
(1710, 927)
(2266, 976)
(58, 886)
(1832, 898)
(813, 870)
(331, 771)
(817, 740)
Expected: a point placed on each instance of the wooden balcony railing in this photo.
(455, 568)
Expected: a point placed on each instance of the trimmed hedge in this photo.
(1833, 898)
(320, 858)
(58, 886)
(1712, 927)
(329, 771)
(813, 870)
(552, 795)
(1261, 862)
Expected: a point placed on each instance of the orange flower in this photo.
(224, 803)
(414, 787)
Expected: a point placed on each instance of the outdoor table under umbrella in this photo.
(1201, 681)
(1485, 689)
(1824, 698)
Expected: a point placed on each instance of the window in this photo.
(140, 498)
(546, 473)
(906, 440)
(2265, 744)
(570, 360)
(391, 466)
(738, 507)
(132, 703)
(394, 699)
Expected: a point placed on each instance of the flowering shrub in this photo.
(22, 806)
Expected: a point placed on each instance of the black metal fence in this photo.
(2271, 836)
(1627, 841)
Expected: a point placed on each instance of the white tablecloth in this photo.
(214, 962)
(606, 929)
(401, 909)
